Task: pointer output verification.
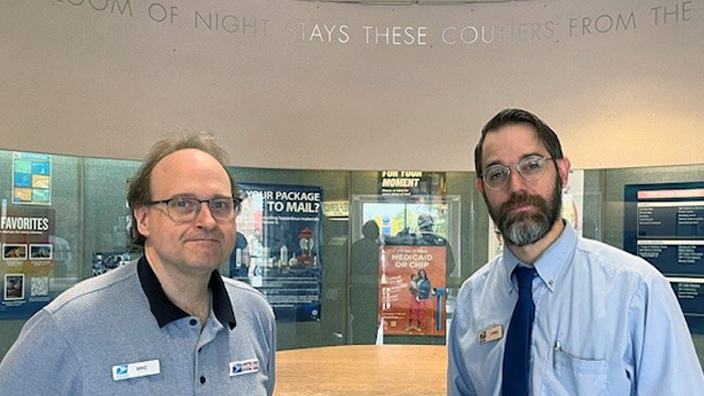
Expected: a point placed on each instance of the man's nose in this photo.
(205, 218)
(516, 182)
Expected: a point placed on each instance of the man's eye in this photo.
(533, 165)
(220, 205)
(183, 203)
(496, 175)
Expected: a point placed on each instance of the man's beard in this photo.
(526, 228)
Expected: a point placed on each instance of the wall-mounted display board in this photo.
(664, 224)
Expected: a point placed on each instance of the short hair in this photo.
(139, 192)
(506, 117)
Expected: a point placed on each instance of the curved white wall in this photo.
(312, 85)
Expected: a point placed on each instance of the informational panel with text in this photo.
(664, 224)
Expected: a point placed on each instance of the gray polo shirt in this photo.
(118, 334)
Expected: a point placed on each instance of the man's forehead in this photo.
(187, 165)
(512, 142)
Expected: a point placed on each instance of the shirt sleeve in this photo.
(664, 359)
(272, 355)
(41, 361)
(458, 381)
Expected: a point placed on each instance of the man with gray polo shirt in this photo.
(167, 324)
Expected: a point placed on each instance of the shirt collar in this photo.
(550, 262)
(166, 311)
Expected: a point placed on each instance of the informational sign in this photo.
(278, 247)
(393, 182)
(336, 209)
(412, 290)
(664, 224)
(27, 261)
(31, 179)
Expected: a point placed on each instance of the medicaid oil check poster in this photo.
(412, 289)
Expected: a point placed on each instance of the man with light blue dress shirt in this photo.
(167, 324)
(601, 321)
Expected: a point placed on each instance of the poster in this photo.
(278, 247)
(664, 224)
(412, 290)
(392, 182)
(31, 179)
(27, 261)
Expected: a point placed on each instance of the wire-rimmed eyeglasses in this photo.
(187, 209)
(530, 168)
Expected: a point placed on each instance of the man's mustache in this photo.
(522, 199)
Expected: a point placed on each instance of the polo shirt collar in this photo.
(166, 311)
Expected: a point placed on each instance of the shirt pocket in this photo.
(576, 376)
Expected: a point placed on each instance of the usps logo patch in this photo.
(244, 367)
(135, 370)
(491, 334)
(119, 372)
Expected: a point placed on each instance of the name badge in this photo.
(244, 367)
(491, 334)
(135, 370)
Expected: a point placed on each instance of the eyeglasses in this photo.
(187, 209)
(530, 168)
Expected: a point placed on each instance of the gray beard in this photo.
(524, 229)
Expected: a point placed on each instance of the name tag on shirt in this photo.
(244, 367)
(491, 334)
(135, 370)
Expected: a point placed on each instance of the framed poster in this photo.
(27, 263)
(31, 179)
(278, 247)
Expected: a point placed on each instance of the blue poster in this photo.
(31, 179)
(278, 247)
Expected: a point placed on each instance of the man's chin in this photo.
(521, 244)
(524, 233)
(208, 259)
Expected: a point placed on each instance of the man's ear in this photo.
(564, 166)
(141, 214)
(479, 185)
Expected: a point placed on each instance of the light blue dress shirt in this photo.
(606, 323)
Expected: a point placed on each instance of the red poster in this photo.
(411, 290)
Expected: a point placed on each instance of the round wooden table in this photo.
(388, 370)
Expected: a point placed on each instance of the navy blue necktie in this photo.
(515, 369)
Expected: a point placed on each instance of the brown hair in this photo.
(546, 135)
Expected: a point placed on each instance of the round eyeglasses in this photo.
(187, 209)
(530, 168)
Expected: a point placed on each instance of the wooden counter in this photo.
(362, 370)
